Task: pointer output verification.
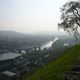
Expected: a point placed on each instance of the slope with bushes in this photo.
(56, 70)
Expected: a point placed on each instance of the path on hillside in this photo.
(74, 72)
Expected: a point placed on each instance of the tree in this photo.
(70, 17)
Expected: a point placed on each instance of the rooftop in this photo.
(8, 73)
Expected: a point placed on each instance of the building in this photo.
(8, 75)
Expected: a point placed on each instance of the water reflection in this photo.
(49, 44)
(9, 55)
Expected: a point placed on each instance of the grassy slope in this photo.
(57, 69)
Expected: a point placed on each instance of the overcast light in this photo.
(30, 15)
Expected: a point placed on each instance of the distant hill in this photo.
(57, 69)
(12, 39)
(12, 34)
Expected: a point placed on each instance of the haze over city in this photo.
(39, 39)
(30, 15)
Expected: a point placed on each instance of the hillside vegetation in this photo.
(56, 70)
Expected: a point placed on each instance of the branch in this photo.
(73, 6)
(76, 19)
(77, 12)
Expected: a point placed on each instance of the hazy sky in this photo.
(30, 15)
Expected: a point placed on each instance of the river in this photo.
(8, 55)
(11, 55)
(49, 44)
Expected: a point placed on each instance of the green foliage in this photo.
(70, 17)
(57, 69)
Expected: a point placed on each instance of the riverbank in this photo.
(56, 70)
(9, 55)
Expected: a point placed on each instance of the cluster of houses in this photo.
(27, 61)
(17, 65)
